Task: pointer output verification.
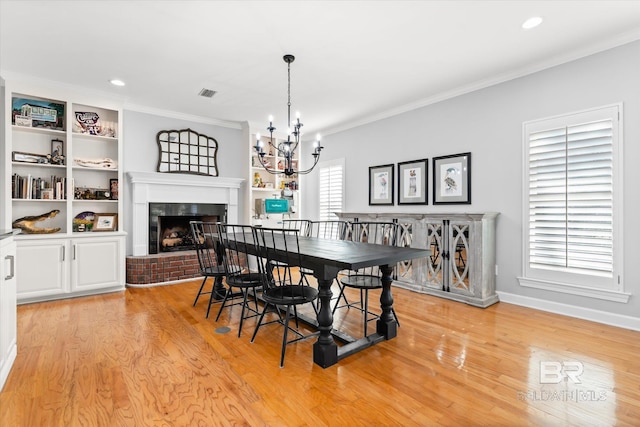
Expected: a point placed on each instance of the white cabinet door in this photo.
(8, 330)
(42, 268)
(96, 263)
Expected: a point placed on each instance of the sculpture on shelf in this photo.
(105, 163)
(27, 223)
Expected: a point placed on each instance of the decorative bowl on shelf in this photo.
(84, 221)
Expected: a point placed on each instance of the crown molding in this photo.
(492, 81)
(182, 116)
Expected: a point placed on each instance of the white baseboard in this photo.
(607, 318)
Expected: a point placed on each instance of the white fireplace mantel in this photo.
(152, 187)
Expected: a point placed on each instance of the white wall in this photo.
(141, 150)
(488, 123)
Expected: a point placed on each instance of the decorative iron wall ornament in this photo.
(187, 151)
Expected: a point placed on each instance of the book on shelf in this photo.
(29, 187)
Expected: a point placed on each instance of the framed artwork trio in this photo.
(450, 181)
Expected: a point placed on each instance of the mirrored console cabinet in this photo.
(462, 263)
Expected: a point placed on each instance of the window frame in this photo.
(558, 280)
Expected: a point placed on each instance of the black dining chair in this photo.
(280, 291)
(370, 278)
(209, 260)
(242, 271)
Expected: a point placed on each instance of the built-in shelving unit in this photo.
(63, 157)
(263, 185)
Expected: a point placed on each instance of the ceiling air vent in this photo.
(207, 93)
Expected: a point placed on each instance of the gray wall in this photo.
(141, 150)
(488, 123)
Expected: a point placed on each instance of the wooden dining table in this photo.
(326, 258)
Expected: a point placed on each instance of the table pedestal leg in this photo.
(386, 325)
(325, 350)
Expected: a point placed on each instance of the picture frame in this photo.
(57, 147)
(47, 194)
(19, 156)
(114, 188)
(452, 179)
(105, 222)
(412, 182)
(381, 185)
(57, 151)
(38, 113)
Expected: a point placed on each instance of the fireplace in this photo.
(185, 195)
(169, 229)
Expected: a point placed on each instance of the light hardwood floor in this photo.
(146, 357)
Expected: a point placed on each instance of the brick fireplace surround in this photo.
(150, 270)
(162, 268)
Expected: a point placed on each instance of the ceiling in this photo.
(356, 61)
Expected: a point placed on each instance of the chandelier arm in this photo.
(271, 171)
(305, 172)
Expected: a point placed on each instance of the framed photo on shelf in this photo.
(105, 222)
(113, 188)
(452, 179)
(18, 156)
(412, 182)
(57, 147)
(381, 185)
(37, 113)
(57, 151)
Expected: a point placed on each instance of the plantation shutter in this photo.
(331, 189)
(571, 198)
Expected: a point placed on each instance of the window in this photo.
(331, 189)
(571, 207)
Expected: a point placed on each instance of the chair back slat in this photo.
(334, 230)
(204, 241)
(302, 225)
(379, 233)
(280, 250)
(238, 242)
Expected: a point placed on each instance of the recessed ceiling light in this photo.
(116, 82)
(532, 22)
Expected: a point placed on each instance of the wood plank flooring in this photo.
(146, 357)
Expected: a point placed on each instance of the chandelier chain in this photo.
(289, 94)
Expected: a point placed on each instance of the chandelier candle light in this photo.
(286, 149)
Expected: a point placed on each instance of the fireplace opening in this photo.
(175, 232)
(169, 229)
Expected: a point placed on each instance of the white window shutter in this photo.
(331, 194)
(570, 208)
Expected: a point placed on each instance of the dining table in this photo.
(327, 257)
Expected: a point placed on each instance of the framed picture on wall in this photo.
(381, 185)
(452, 179)
(412, 182)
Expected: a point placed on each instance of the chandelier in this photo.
(286, 149)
